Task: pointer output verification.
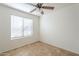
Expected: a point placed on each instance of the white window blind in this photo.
(21, 27)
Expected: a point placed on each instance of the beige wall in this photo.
(5, 41)
(61, 28)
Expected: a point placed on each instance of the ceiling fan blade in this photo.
(31, 4)
(33, 10)
(47, 7)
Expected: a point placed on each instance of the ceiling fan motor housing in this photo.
(39, 5)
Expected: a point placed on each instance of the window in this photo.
(21, 27)
(27, 27)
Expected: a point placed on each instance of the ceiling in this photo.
(27, 8)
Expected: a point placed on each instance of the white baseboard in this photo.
(52, 44)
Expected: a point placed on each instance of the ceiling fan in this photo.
(40, 7)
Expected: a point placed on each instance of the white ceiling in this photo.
(27, 8)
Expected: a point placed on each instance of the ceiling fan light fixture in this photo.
(42, 12)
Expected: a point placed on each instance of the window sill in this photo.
(14, 38)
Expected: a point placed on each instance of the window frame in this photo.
(23, 36)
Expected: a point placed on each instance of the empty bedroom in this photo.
(39, 29)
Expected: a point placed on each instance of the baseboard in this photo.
(59, 47)
(30, 42)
